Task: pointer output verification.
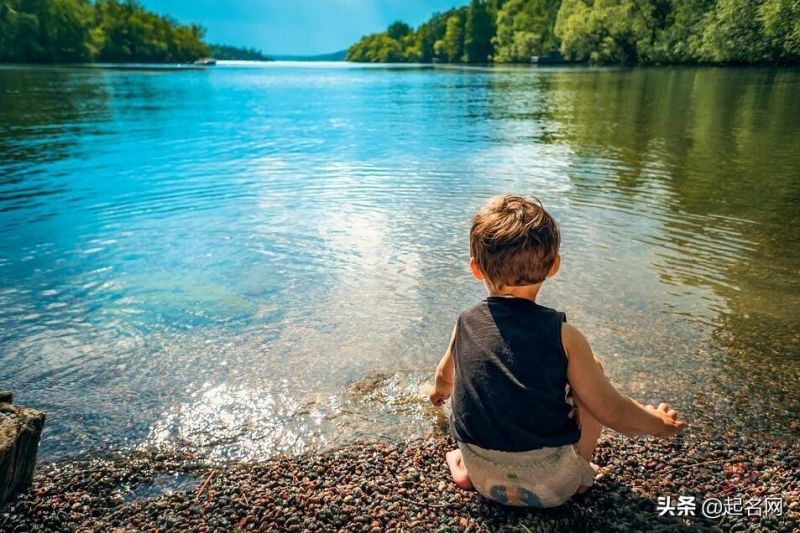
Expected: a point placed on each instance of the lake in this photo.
(252, 259)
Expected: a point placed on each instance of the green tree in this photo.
(221, 51)
(603, 31)
(49, 30)
(478, 33)
(131, 33)
(78, 30)
(781, 22)
(398, 30)
(598, 31)
(431, 31)
(377, 48)
(525, 28)
(676, 31)
(734, 33)
(9, 22)
(450, 48)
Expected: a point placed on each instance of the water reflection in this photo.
(212, 259)
(712, 154)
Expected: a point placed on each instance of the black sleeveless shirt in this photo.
(511, 391)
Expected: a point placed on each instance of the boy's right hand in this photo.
(438, 397)
(670, 425)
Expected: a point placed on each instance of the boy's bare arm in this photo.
(607, 405)
(443, 381)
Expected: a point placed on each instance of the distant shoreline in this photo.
(489, 67)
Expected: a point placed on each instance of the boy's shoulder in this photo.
(510, 305)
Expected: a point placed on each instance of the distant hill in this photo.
(333, 56)
(226, 52)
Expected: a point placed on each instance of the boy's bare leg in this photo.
(458, 470)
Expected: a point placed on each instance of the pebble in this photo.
(405, 487)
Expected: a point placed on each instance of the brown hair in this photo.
(514, 240)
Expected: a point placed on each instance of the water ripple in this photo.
(212, 259)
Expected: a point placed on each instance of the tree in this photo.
(734, 33)
(450, 48)
(78, 30)
(525, 28)
(48, 30)
(605, 31)
(597, 31)
(431, 31)
(781, 22)
(677, 31)
(479, 29)
(131, 33)
(398, 30)
(376, 48)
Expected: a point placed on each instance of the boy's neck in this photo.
(529, 292)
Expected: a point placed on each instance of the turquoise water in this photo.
(250, 259)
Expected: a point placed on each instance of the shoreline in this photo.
(406, 486)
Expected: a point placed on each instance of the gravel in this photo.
(406, 487)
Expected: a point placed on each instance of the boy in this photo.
(529, 399)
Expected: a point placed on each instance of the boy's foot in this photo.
(458, 470)
(584, 488)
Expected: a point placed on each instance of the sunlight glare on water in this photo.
(247, 261)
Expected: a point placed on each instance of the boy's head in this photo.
(514, 241)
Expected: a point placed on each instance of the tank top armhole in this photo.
(455, 334)
(562, 319)
(454, 338)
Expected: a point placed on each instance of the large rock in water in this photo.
(20, 431)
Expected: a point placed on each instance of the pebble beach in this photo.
(406, 487)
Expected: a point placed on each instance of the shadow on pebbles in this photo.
(405, 487)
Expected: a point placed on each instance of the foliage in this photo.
(450, 48)
(398, 29)
(106, 30)
(525, 28)
(604, 31)
(222, 51)
(430, 32)
(377, 48)
(478, 32)
(598, 31)
(781, 20)
(752, 31)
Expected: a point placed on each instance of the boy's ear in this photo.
(554, 268)
(476, 271)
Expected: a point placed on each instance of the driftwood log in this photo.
(20, 431)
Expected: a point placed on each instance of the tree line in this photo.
(223, 51)
(596, 31)
(57, 31)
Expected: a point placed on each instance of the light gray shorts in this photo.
(538, 478)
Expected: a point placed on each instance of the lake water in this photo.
(250, 259)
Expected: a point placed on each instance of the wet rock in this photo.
(20, 432)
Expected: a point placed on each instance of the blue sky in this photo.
(297, 26)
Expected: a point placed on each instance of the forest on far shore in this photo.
(74, 31)
(596, 31)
